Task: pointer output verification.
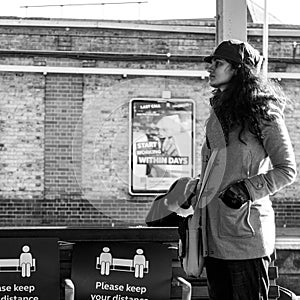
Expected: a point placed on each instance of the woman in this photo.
(254, 160)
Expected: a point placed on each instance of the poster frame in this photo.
(132, 189)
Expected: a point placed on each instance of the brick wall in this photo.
(22, 135)
(63, 116)
(105, 167)
(64, 138)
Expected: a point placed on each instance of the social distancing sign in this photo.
(121, 271)
(29, 269)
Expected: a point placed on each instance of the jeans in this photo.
(238, 279)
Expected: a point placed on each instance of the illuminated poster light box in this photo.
(161, 143)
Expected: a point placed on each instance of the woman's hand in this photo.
(190, 192)
(235, 195)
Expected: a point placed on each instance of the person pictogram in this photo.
(105, 261)
(26, 261)
(139, 263)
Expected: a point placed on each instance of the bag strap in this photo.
(206, 174)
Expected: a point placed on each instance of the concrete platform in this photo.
(288, 258)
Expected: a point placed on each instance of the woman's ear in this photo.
(236, 68)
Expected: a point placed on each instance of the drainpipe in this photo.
(265, 39)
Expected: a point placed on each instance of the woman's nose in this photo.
(209, 67)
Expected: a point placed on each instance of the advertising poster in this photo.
(29, 269)
(121, 271)
(161, 143)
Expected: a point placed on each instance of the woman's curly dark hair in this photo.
(246, 102)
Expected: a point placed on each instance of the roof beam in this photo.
(231, 20)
